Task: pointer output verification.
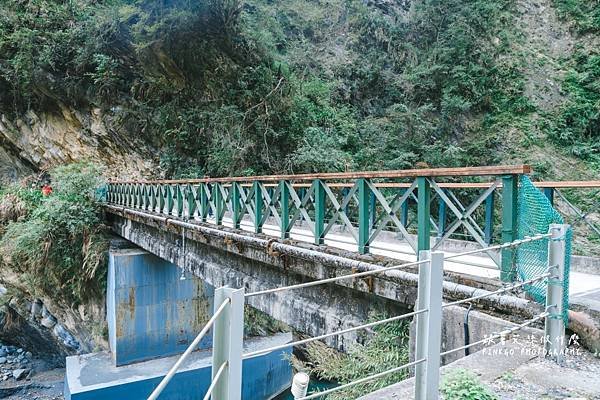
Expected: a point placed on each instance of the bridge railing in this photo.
(228, 321)
(363, 204)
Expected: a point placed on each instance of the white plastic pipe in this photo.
(300, 385)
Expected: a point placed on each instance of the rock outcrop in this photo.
(39, 140)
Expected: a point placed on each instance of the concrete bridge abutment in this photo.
(220, 257)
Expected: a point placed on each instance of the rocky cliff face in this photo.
(39, 140)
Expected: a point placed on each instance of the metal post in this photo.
(228, 340)
(235, 204)
(284, 201)
(549, 193)
(191, 201)
(372, 209)
(319, 211)
(404, 212)
(217, 198)
(161, 198)
(554, 340)
(364, 222)
(146, 196)
(441, 218)
(170, 201)
(489, 218)
(429, 325)
(179, 199)
(345, 192)
(423, 214)
(204, 201)
(258, 207)
(510, 189)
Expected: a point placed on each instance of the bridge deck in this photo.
(476, 265)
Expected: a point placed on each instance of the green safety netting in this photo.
(535, 215)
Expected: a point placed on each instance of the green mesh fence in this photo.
(535, 215)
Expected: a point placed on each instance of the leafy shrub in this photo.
(576, 124)
(59, 247)
(461, 384)
(585, 14)
(385, 348)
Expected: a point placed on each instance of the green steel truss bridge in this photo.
(487, 222)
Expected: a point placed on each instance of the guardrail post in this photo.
(258, 207)
(217, 198)
(179, 200)
(228, 339)
(510, 190)
(162, 191)
(319, 211)
(429, 325)
(191, 201)
(423, 214)
(364, 222)
(235, 204)
(203, 201)
(404, 212)
(554, 335)
(549, 193)
(441, 218)
(284, 202)
(489, 219)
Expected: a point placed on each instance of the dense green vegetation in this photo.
(229, 86)
(55, 243)
(384, 348)
(585, 15)
(225, 87)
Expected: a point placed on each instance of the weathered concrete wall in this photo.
(313, 311)
(480, 326)
(151, 312)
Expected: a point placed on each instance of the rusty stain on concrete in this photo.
(132, 301)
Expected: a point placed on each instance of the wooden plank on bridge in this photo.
(405, 173)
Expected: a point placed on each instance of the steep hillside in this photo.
(180, 88)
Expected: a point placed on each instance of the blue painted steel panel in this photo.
(151, 312)
(263, 378)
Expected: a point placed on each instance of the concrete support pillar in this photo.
(151, 312)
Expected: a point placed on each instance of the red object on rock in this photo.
(46, 190)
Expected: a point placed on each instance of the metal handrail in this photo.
(165, 381)
(215, 381)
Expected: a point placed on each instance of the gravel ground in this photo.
(541, 379)
(47, 385)
(22, 376)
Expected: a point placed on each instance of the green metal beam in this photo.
(284, 202)
(217, 198)
(191, 201)
(423, 214)
(319, 211)
(364, 220)
(510, 189)
(204, 201)
(235, 207)
(258, 207)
